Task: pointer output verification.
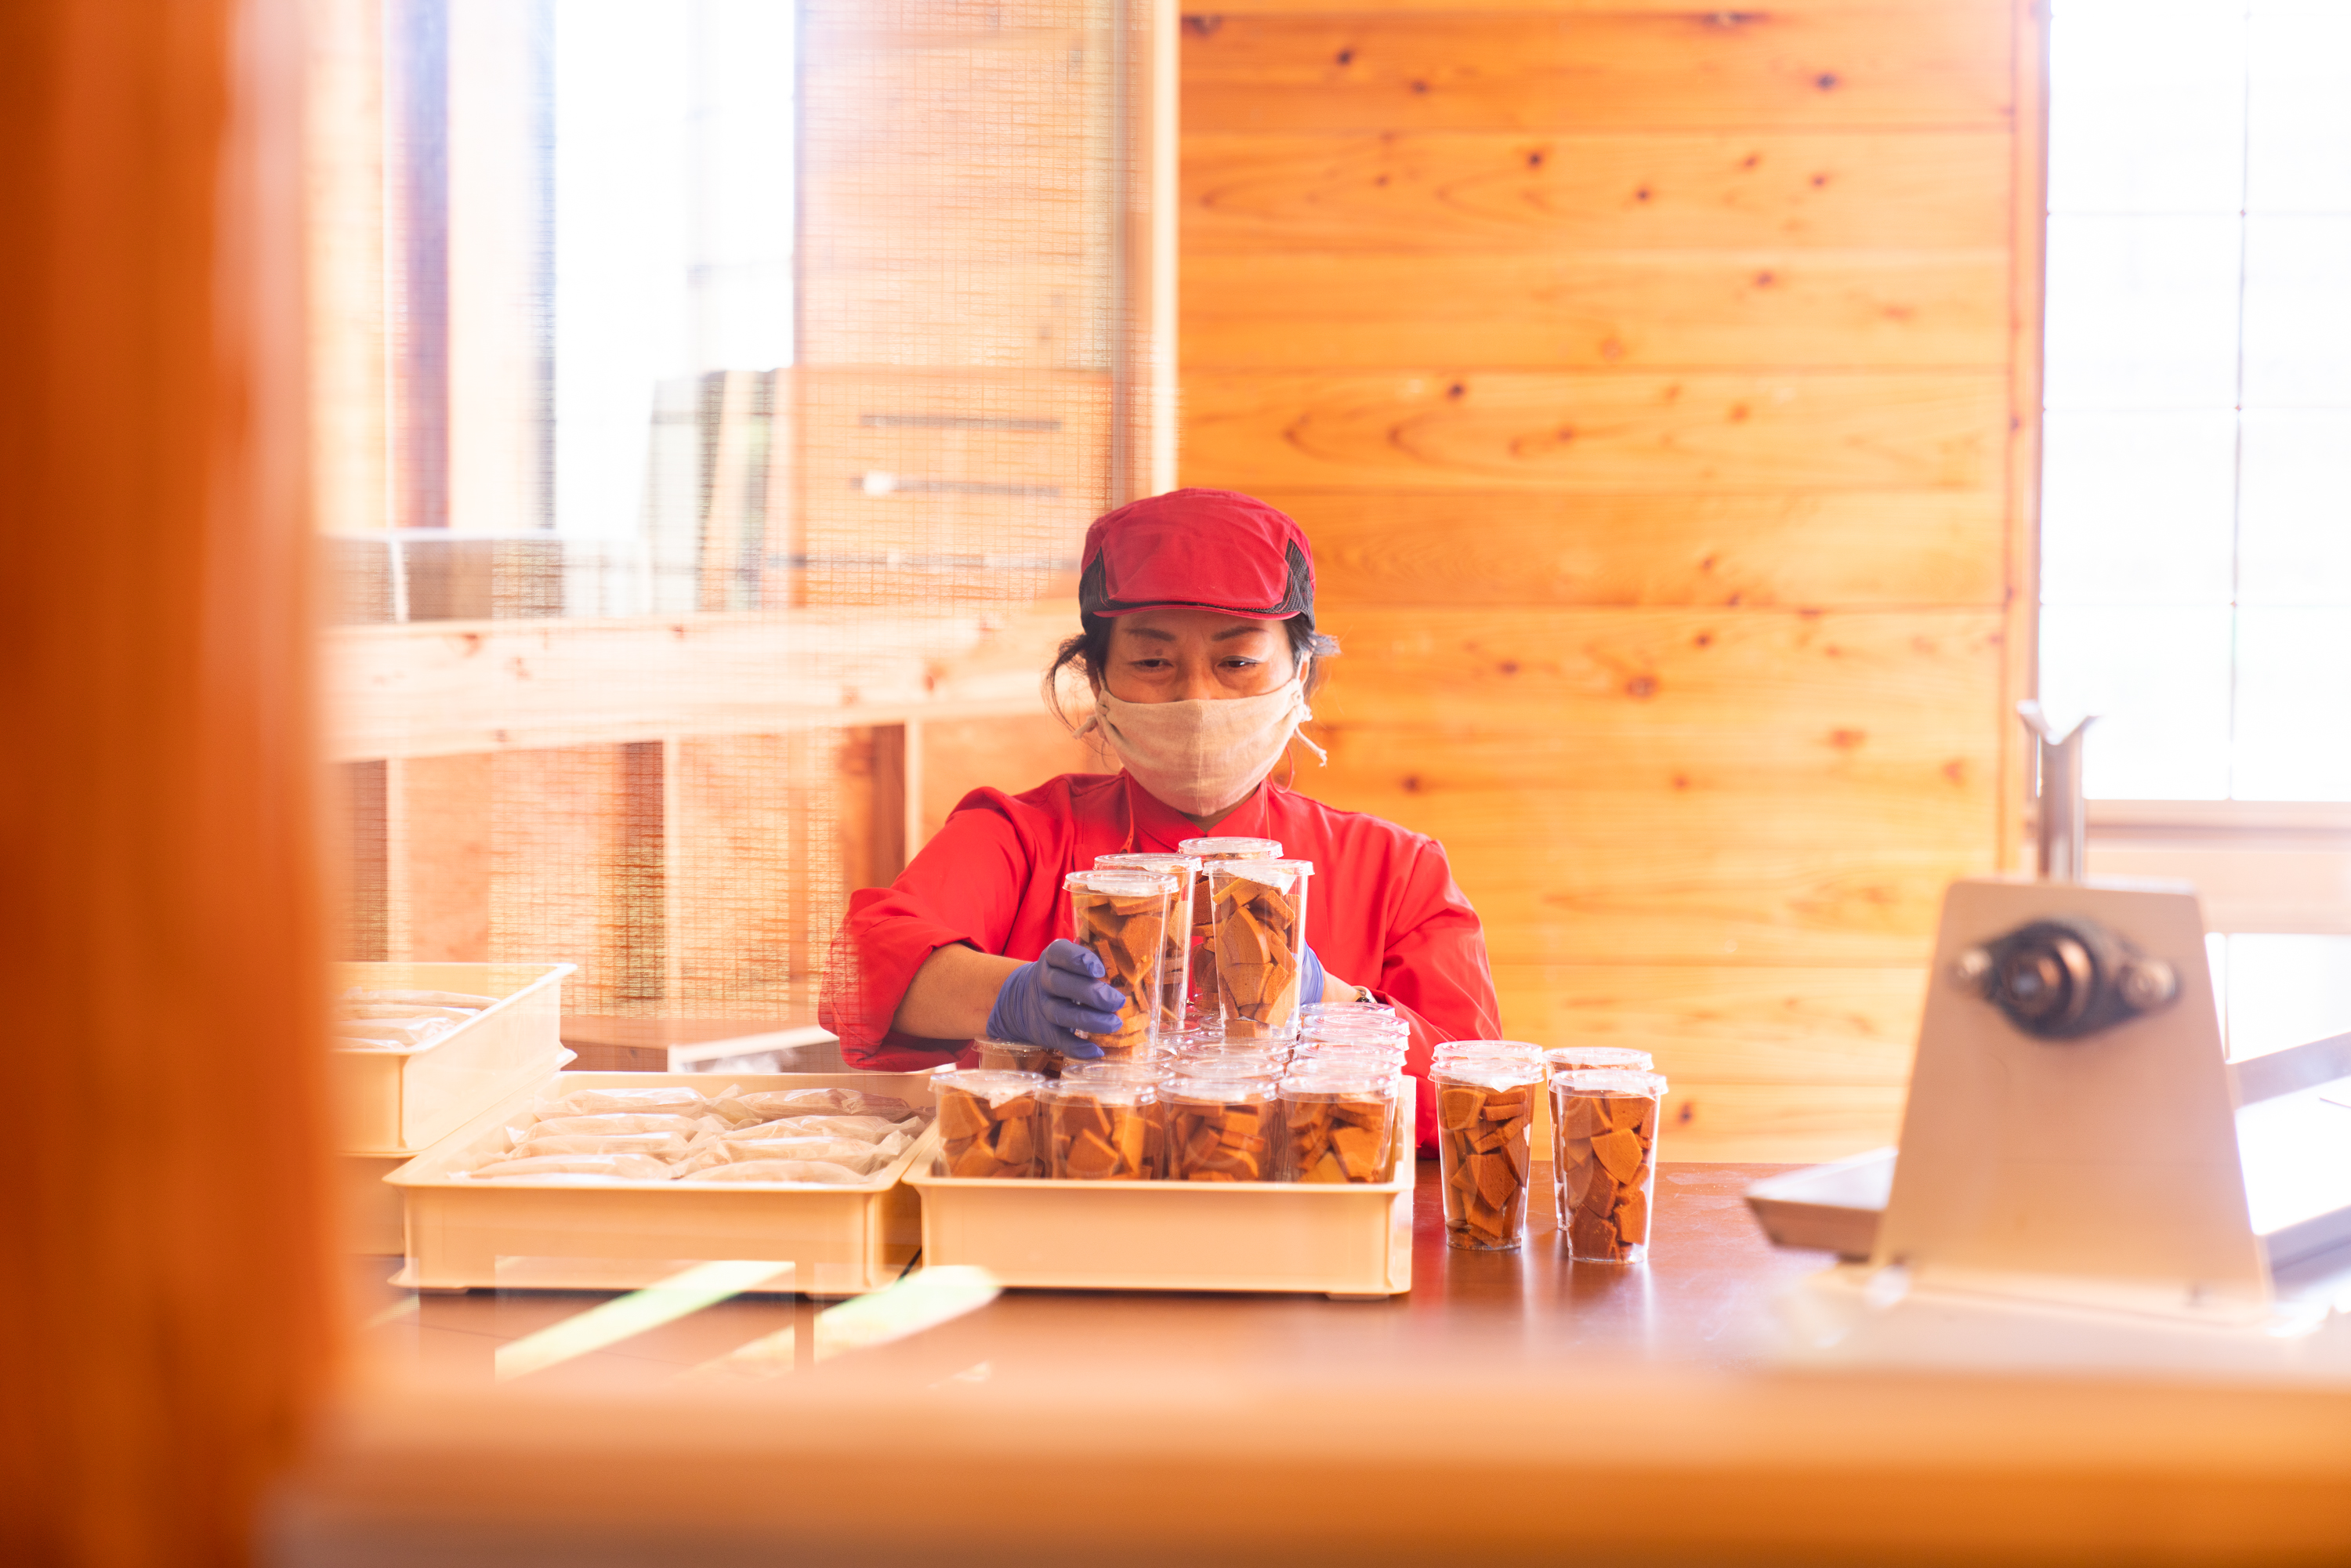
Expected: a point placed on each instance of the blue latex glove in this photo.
(1046, 1002)
(1310, 978)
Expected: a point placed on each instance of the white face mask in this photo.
(1204, 755)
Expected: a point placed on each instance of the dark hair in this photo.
(1088, 653)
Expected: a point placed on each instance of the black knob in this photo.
(2066, 977)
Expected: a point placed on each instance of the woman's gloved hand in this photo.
(1310, 978)
(1046, 1002)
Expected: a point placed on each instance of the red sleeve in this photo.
(964, 886)
(1437, 976)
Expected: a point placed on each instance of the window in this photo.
(2196, 516)
(709, 394)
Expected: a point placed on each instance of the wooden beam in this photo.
(444, 688)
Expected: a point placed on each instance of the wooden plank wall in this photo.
(1647, 378)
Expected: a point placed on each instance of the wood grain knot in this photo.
(1203, 26)
(1641, 688)
(1846, 739)
(1826, 81)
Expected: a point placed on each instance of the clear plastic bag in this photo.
(613, 1122)
(806, 1173)
(610, 1168)
(862, 1159)
(664, 1147)
(766, 1104)
(865, 1129)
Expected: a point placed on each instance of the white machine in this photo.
(2073, 1137)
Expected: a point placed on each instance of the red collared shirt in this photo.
(1382, 912)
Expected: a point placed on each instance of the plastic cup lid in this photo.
(1281, 874)
(1569, 1058)
(1102, 1089)
(1130, 883)
(1614, 1080)
(994, 1085)
(1232, 849)
(1159, 863)
(1488, 1072)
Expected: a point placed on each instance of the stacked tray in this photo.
(392, 1104)
(562, 1234)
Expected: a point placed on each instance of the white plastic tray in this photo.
(623, 1235)
(1834, 1208)
(400, 1102)
(1346, 1241)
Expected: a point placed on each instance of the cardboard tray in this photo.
(1345, 1242)
(402, 1102)
(625, 1234)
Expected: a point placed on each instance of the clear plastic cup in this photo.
(988, 1125)
(1580, 1058)
(1261, 926)
(1485, 1118)
(1220, 1129)
(1098, 1128)
(1183, 931)
(1347, 1010)
(1205, 993)
(1337, 1128)
(1522, 1049)
(1123, 918)
(1604, 1160)
(1348, 1059)
(1354, 1034)
(1015, 1056)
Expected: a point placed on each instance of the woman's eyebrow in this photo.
(1232, 632)
(1152, 632)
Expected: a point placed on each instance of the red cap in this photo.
(1206, 549)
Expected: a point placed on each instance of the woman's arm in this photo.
(952, 994)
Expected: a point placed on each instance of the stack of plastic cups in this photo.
(1314, 1013)
(1205, 993)
(1348, 1049)
(1176, 998)
(1338, 1126)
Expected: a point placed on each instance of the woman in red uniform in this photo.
(1199, 640)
